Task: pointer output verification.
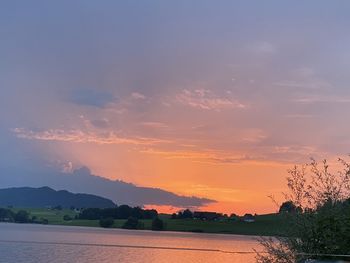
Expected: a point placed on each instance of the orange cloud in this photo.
(79, 136)
(206, 100)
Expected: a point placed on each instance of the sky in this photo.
(210, 100)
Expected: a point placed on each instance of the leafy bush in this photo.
(6, 215)
(22, 216)
(67, 218)
(120, 212)
(157, 224)
(321, 225)
(106, 222)
(133, 223)
(44, 221)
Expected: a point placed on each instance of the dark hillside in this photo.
(47, 197)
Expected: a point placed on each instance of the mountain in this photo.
(46, 196)
(82, 180)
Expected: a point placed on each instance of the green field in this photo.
(264, 225)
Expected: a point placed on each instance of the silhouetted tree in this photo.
(289, 207)
(22, 216)
(174, 216)
(157, 224)
(133, 223)
(67, 218)
(124, 211)
(323, 225)
(90, 214)
(150, 214)
(121, 212)
(7, 215)
(110, 212)
(234, 217)
(137, 212)
(106, 222)
(187, 214)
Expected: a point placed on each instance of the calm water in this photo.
(38, 243)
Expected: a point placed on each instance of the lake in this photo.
(44, 243)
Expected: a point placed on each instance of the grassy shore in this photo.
(264, 225)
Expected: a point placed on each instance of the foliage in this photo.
(173, 216)
(289, 207)
(6, 215)
(133, 223)
(106, 222)
(44, 221)
(67, 218)
(187, 214)
(276, 251)
(157, 224)
(322, 225)
(22, 216)
(233, 216)
(182, 214)
(90, 214)
(120, 212)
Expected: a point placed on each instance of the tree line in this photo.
(21, 216)
(119, 212)
(133, 215)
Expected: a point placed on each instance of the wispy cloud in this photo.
(322, 99)
(138, 96)
(206, 100)
(305, 78)
(205, 156)
(300, 116)
(311, 85)
(271, 154)
(78, 136)
(99, 123)
(156, 125)
(253, 135)
(304, 150)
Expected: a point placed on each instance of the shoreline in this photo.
(131, 231)
(263, 225)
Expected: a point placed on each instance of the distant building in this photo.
(206, 215)
(249, 218)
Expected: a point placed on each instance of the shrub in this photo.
(133, 223)
(22, 216)
(6, 215)
(321, 224)
(157, 224)
(106, 222)
(67, 218)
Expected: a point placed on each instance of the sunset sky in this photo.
(213, 99)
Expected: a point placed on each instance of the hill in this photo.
(45, 196)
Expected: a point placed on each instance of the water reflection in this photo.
(36, 243)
